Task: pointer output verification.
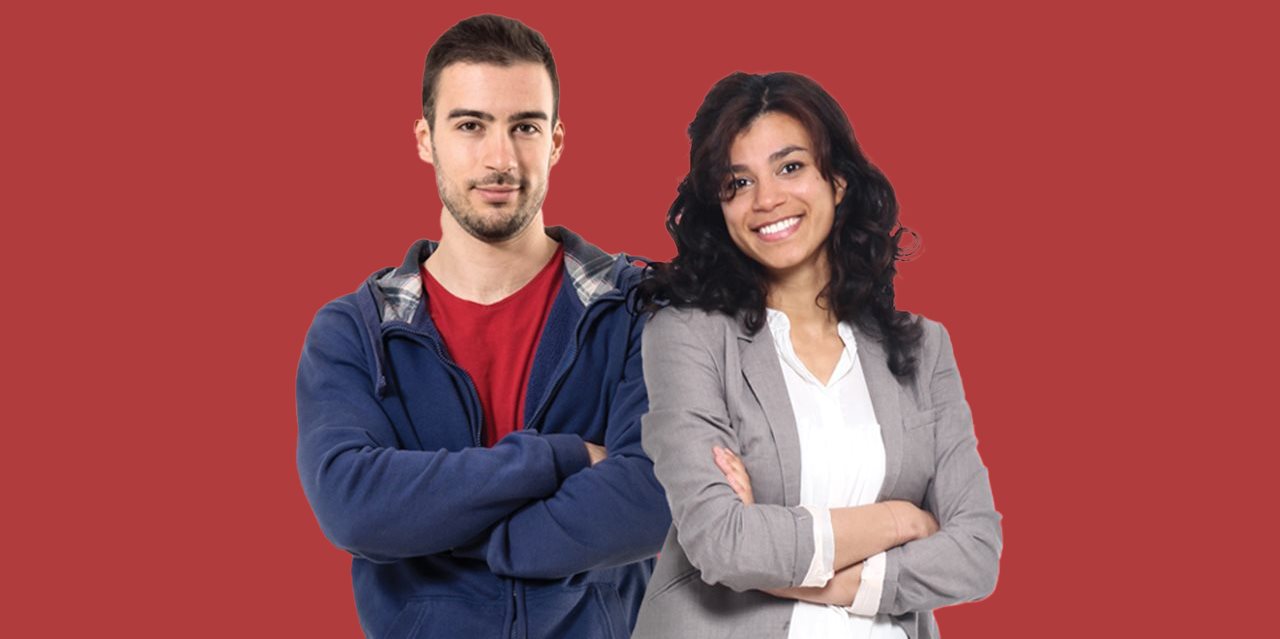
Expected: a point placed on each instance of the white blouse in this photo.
(842, 464)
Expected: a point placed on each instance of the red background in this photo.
(184, 187)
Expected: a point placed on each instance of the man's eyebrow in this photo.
(471, 113)
(773, 157)
(528, 115)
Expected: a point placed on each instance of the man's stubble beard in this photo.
(491, 228)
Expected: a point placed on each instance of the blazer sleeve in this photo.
(743, 547)
(382, 502)
(961, 561)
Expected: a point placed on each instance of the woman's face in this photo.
(782, 209)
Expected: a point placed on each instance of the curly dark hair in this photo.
(711, 273)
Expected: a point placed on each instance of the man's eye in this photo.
(527, 129)
(469, 126)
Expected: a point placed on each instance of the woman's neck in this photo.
(797, 293)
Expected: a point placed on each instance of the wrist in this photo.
(909, 522)
(866, 600)
(847, 584)
(899, 531)
(568, 452)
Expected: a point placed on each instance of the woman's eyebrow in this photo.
(773, 157)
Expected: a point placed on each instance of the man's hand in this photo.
(596, 452)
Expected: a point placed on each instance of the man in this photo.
(469, 423)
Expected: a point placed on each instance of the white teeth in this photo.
(779, 226)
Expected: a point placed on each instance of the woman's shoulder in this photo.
(691, 319)
(932, 330)
(690, 328)
(934, 345)
(675, 338)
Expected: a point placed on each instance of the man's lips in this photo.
(497, 193)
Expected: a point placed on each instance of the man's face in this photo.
(492, 145)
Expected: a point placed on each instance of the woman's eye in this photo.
(791, 167)
(732, 187)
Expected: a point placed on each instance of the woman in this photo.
(814, 442)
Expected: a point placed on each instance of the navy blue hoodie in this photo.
(452, 539)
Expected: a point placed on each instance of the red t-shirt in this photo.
(495, 343)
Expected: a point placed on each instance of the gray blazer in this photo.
(710, 383)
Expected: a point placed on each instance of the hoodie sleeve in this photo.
(383, 503)
(611, 514)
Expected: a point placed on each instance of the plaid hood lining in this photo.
(589, 269)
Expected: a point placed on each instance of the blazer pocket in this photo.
(919, 457)
(927, 417)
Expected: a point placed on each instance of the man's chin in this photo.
(495, 230)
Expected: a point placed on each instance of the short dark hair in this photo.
(486, 39)
(711, 273)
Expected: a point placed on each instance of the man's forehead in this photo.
(500, 90)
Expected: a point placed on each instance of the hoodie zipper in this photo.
(473, 397)
(564, 371)
(515, 612)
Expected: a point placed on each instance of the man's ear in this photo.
(422, 132)
(557, 141)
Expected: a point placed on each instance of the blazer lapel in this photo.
(886, 401)
(763, 372)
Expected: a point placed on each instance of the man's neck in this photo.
(486, 272)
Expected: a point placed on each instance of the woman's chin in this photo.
(781, 263)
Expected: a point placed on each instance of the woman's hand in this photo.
(861, 531)
(910, 522)
(839, 591)
(735, 473)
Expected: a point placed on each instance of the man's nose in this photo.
(500, 154)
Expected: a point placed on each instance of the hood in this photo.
(395, 294)
(592, 272)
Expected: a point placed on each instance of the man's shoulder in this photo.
(597, 276)
(340, 315)
(347, 311)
